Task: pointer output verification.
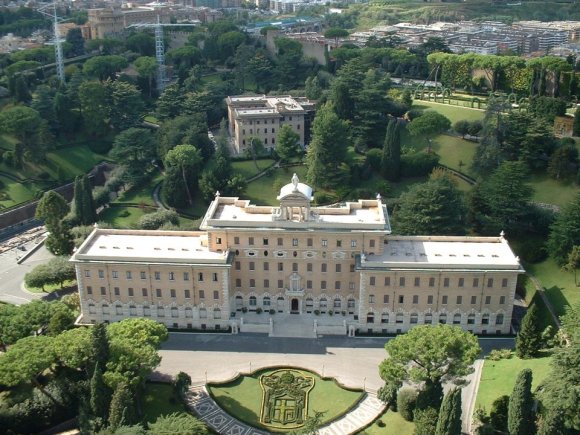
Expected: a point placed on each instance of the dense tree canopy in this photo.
(565, 232)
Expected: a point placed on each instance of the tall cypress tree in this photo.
(88, 203)
(449, 422)
(529, 339)
(391, 160)
(78, 199)
(100, 395)
(520, 412)
(100, 344)
(122, 411)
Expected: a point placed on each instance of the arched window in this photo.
(385, 318)
(351, 305)
(485, 319)
(457, 319)
(188, 312)
(266, 301)
(92, 309)
(132, 310)
(323, 303)
(471, 319)
(399, 318)
(337, 303)
(105, 309)
(414, 318)
(499, 319)
(146, 311)
(119, 310)
(160, 311)
(202, 313)
(217, 313)
(370, 317)
(443, 318)
(253, 301)
(428, 319)
(239, 302)
(174, 312)
(309, 303)
(280, 303)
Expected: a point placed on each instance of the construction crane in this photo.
(159, 48)
(49, 10)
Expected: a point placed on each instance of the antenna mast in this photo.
(160, 56)
(59, 58)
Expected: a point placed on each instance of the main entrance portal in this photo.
(294, 306)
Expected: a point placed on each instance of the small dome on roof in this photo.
(296, 187)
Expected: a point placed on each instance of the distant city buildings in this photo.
(262, 116)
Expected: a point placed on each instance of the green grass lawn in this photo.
(114, 216)
(7, 142)
(159, 400)
(551, 191)
(264, 190)
(142, 194)
(559, 285)
(454, 113)
(12, 192)
(242, 398)
(498, 377)
(394, 424)
(75, 160)
(455, 152)
(247, 169)
(53, 287)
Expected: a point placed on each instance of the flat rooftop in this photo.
(444, 253)
(151, 246)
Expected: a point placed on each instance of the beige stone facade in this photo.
(262, 116)
(328, 262)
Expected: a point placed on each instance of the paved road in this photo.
(12, 274)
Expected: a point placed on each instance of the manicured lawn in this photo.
(243, 398)
(113, 216)
(264, 190)
(247, 169)
(53, 287)
(455, 152)
(559, 285)
(394, 424)
(75, 160)
(551, 191)
(142, 194)
(159, 400)
(498, 377)
(454, 113)
(13, 192)
(7, 142)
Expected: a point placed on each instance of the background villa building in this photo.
(262, 116)
(335, 268)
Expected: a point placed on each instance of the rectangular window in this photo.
(87, 273)
(402, 281)
(280, 283)
(252, 265)
(309, 242)
(202, 294)
(172, 293)
(129, 275)
(475, 282)
(431, 282)
(323, 267)
(214, 277)
(280, 267)
(237, 265)
(115, 274)
(351, 267)
(157, 276)
(308, 267)
(89, 290)
(265, 241)
(461, 282)
(294, 267)
(504, 282)
(144, 292)
(250, 241)
(171, 276)
(502, 300)
(387, 281)
(371, 299)
(309, 284)
(487, 300)
(187, 294)
(294, 242)
(266, 265)
(353, 243)
(324, 243)
(117, 291)
(186, 276)
(372, 280)
(130, 291)
(200, 276)
(236, 240)
(401, 299)
(266, 283)
(143, 275)
(489, 282)
(101, 274)
(351, 285)
(430, 300)
(103, 290)
(385, 299)
(280, 241)
(473, 300)
(417, 281)
(445, 282)
(444, 300)
(216, 294)
(337, 285)
(158, 292)
(459, 300)
(339, 243)
(218, 240)
(415, 299)
(338, 268)
(323, 285)
(238, 282)
(371, 243)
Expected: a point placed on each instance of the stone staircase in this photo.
(367, 410)
(292, 326)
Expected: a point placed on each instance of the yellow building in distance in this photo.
(328, 270)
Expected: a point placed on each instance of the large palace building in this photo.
(324, 264)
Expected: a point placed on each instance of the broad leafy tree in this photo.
(428, 125)
(72, 349)
(126, 104)
(521, 419)
(104, 67)
(565, 232)
(287, 143)
(146, 67)
(26, 125)
(190, 129)
(170, 102)
(95, 105)
(134, 149)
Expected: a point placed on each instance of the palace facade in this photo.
(337, 262)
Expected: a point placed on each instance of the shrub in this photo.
(498, 354)
(124, 213)
(374, 157)
(258, 310)
(153, 221)
(499, 412)
(406, 402)
(418, 164)
(316, 312)
(272, 311)
(321, 198)
(425, 421)
(388, 394)
(381, 423)
(9, 159)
